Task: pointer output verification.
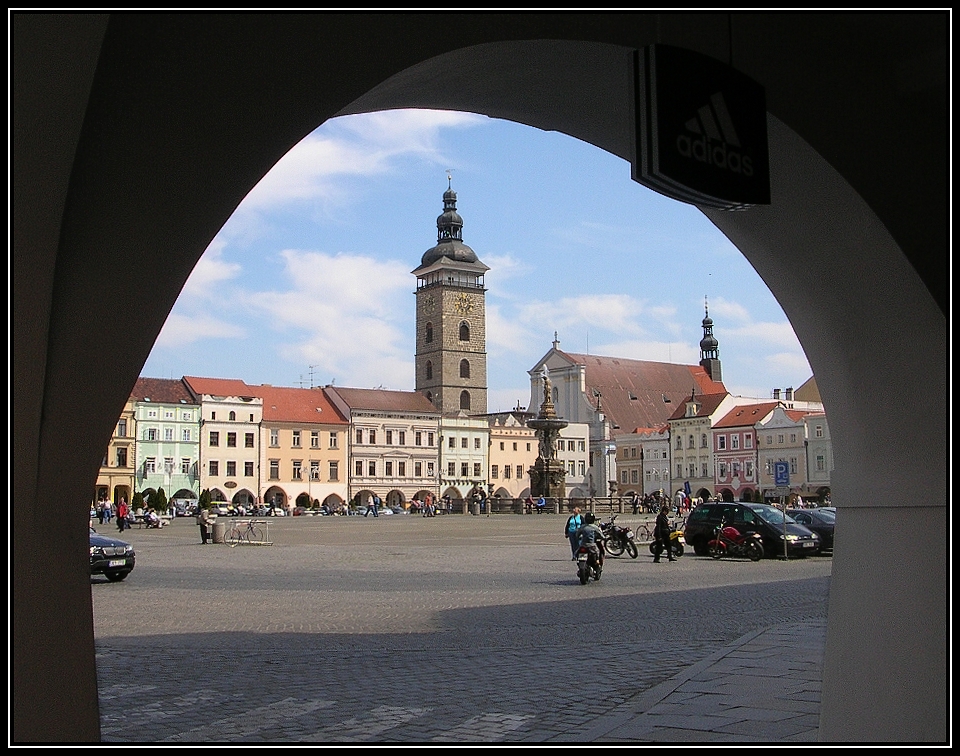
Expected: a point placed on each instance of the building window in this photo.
(464, 331)
(151, 434)
(679, 442)
(214, 468)
(793, 465)
(464, 369)
(388, 468)
(464, 400)
(821, 465)
(464, 469)
(519, 472)
(451, 469)
(748, 441)
(274, 469)
(418, 438)
(779, 438)
(231, 469)
(623, 476)
(401, 438)
(233, 415)
(721, 442)
(401, 469)
(722, 470)
(185, 435)
(429, 469)
(429, 439)
(149, 466)
(476, 443)
(248, 469)
(690, 442)
(274, 437)
(185, 466)
(429, 334)
(736, 469)
(358, 468)
(463, 442)
(748, 466)
(187, 416)
(679, 471)
(418, 469)
(296, 439)
(581, 468)
(373, 437)
(214, 438)
(213, 415)
(151, 413)
(122, 457)
(334, 443)
(528, 447)
(495, 472)
(817, 431)
(334, 471)
(429, 369)
(168, 434)
(251, 417)
(372, 469)
(634, 476)
(389, 438)
(248, 440)
(452, 442)
(769, 440)
(703, 441)
(232, 440)
(122, 428)
(476, 470)
(735, 441)
(703, 470)
(793, 438)
(359, 436)
(314, 439)
(298, 469)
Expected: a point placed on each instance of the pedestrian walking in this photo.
(123, 511)
(661, 535)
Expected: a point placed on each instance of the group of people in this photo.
(582, 530)
(427, 508)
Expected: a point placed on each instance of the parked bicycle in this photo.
(252, 533)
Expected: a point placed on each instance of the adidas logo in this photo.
(715, 141)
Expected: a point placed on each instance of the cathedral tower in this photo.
(451, 360)
(709, 347)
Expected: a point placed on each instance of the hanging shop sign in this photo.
(701, 130)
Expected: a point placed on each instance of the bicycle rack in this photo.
(241, 526)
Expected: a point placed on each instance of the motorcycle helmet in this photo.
(589, 518)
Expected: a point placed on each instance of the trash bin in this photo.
(219, 531)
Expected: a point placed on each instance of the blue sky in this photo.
(313, 268)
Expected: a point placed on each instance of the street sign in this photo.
(781, 474)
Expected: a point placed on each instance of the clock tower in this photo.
(451, 362)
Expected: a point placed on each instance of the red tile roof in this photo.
(218, 386)
(298, 405)
(746, 414)
(633, 391)
(708, 405)
(165, 390)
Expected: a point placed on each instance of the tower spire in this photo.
(709, 346)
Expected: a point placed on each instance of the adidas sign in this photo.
(716, 158)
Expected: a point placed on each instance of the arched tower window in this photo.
(690, 442)
(464, 331)
(429, 370)
(464, 400)
(429, 336)
(233, 415)
(464, 369)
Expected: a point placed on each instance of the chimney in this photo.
(789, 394)
(776, 394)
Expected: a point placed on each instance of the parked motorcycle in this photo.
(618, 538)
(676, 542)
(589, 564)
(728, 541)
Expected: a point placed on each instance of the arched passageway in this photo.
(124, 171)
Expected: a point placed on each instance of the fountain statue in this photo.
(547, 476)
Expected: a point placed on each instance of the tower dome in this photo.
(449, 234)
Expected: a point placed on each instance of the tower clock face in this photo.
(429, 300)
(462, 304)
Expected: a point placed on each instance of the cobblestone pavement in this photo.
(451, 630)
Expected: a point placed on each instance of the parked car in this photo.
(749, 517)
(110, 557)
(820, 522)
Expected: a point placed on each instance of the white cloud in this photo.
(210, 272)
(180, 330)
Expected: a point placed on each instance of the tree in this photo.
(158, 502)
(136, 502)
(204, 501)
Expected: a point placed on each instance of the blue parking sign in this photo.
(781, 474)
